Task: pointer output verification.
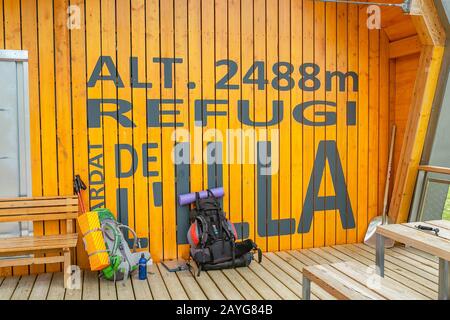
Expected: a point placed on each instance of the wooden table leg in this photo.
(444, 280)
(306, 289)
(379, 254)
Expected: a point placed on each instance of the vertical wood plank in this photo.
(79, 114)
(125, 93)
(374, 104)
(319, 132)
(168, 168)
(284, 178)
(195, 78)
(221, 95)
(352, 131)
(333, 30)
(182, 95)
(208, 80)
(2, 26)
(261, 105)
(363, 135)
(308, 131)
(48, 110)
(235, 153)
(297, 128)
(273, 204)
(248, 190)
(138, 50)
(12, 31)
(383, 122)
(109, 93)
(30, 43)
(153, 134)
(63, 102)
(94, 91)
(341, 100)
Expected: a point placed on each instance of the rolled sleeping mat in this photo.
(94, 242)
(188, 198)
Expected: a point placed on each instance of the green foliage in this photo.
(446, 213)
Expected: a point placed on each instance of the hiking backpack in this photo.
(122, 260)
(213, 238)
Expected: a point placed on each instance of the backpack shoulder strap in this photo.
(204, 230)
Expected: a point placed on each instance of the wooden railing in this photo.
(434, 169)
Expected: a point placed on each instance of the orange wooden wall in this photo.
(335, 37)
(403, 71)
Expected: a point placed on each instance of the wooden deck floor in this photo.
(277, 277)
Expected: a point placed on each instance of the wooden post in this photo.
(67, 269)
(432, 36)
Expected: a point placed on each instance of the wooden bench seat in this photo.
(354, 281)
(27, 244)
(63, 208)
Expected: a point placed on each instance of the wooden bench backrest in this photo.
(39, 209)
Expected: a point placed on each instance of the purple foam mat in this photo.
(188, 198)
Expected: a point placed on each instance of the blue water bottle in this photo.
(142, 268)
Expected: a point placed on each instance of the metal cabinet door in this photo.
(15, 175)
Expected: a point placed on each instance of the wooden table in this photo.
(428, 241)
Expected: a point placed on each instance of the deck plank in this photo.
(107, 290)
(285, 278)
(339, 284)
(279, 276)
(259, 285)
(190, 285)
(24, 287)
(57, 291)
(294, 273)
(391, 290)
(232, 285)
(172, 283)
(277, 283)
(315, 257)
(315, 289)
(8, 286)
(421, 253)
(418, 258)
(91, 287)
(141, 288)
(403, 259)
(41, 287)
(124, 290)
(327, 256)
(424, 277)
(208, 286)
(156, 283)
(391, 271)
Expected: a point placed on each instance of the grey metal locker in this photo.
(15, 166)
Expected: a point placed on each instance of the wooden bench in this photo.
(39, 209)
(354, 281)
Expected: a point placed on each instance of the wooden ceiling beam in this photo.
(404, 47)
(427, 22)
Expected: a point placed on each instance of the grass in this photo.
(446, 213)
